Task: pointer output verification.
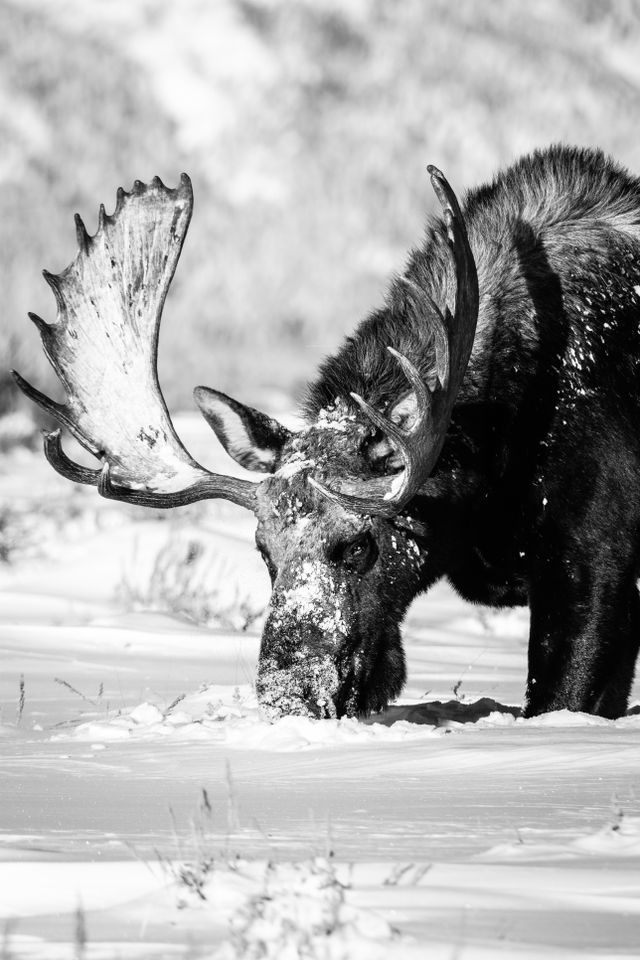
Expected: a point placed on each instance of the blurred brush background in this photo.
(306, 126)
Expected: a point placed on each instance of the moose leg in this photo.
(585, 634)
(614, 698)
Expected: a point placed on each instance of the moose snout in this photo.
(302, 644)
(306, 688)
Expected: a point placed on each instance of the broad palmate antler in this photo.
(103, 347)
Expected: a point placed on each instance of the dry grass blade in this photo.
(80, 933)
(78, 693)
(21, 697)
(7, 932)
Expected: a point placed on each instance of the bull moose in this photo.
(483, 425)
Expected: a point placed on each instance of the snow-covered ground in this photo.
(147, 811)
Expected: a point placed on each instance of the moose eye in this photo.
(359, 554)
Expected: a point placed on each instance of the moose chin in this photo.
(483, 425)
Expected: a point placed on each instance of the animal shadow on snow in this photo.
(439, 713)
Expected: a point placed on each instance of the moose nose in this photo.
(306, 688)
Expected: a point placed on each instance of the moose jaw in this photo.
(486, 465)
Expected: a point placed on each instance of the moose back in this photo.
(483, 425)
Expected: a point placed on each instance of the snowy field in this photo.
(147, 811)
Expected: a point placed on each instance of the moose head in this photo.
(334, 511)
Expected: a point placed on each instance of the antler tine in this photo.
(63, 465)
(417, 454)
(103, 347)
(237, 491)
(56, 410)
(378, 420)
(240, 492)
(466, 298)
(352, 502)
(423, 396)
(443, 191)
(453, 338)
(82, 236)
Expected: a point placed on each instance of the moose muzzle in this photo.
(304, 642)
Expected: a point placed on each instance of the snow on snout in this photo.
(315, 594)
(305, 629)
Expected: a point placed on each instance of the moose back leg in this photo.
(615, 695)
(585, 631)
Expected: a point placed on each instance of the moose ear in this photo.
(251, 438)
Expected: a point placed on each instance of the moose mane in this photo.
(509, 222)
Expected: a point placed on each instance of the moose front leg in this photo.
(585, 633)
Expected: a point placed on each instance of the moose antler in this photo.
(453, 337)
(104, 348)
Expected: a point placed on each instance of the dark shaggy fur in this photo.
(535, 498)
